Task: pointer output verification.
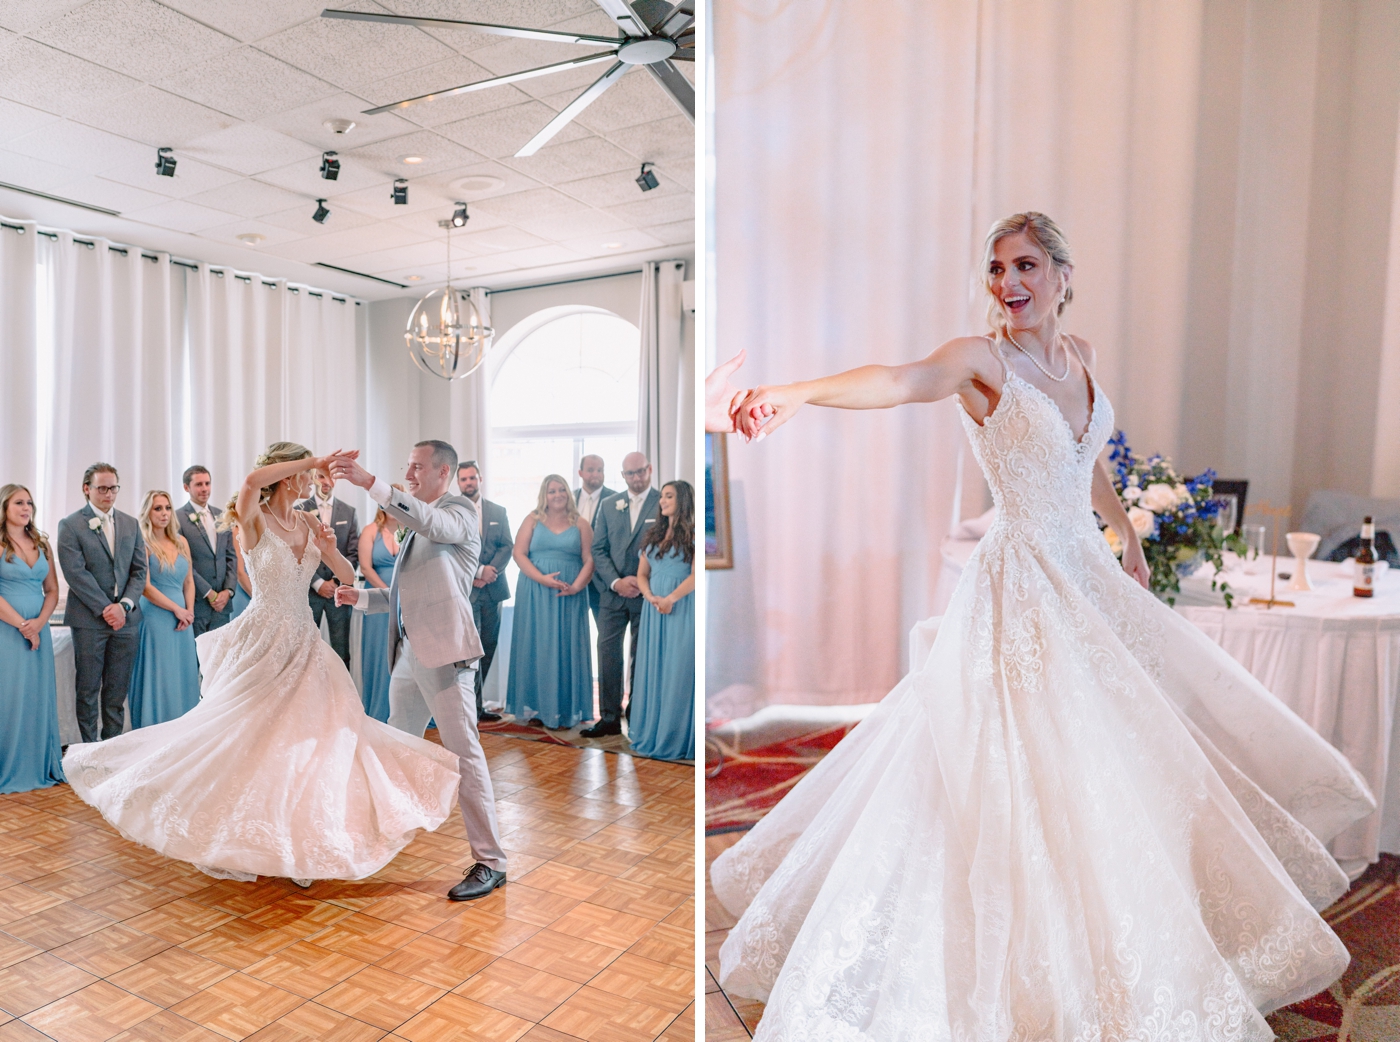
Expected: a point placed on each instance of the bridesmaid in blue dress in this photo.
(379, 547)
(29, 753)
(551, 657)
(243, 588)
(662, 722)
(165, 678)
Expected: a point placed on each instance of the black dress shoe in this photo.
(480, 880)
(487, 717)
(602, 729)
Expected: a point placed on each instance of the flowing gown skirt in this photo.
(662, 724)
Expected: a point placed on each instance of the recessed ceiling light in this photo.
(612, 245)
(251, 238)
(413, 278)
(410, 160)
(339, 126)
(478, 183)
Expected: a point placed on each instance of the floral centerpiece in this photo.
(1174, 517)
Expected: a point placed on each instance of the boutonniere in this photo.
(400, 533)
(621, 505)
(194, 517)
(95, 523)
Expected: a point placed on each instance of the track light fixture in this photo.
(165, 162)
(330, 166)
(646, 180)
(321, 212)
(459, 215)
(401, 192)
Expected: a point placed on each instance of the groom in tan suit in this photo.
(433, 643)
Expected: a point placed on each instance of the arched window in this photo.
(565, 387)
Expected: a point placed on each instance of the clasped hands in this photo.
(752, 412)
(31, 630)
(553, 582)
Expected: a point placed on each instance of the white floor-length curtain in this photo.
(20, 414)
(116, 369)
(468, 422)
(659, 434)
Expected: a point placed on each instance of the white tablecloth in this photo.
(1334, 659)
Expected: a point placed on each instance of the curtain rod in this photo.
(565, 282)
(218, 270)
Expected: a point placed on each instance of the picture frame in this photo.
(719, 536)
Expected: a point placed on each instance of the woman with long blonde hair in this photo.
(551, 659)
(165, 676)
(1076, 817)
(29, 739)
(277, 771)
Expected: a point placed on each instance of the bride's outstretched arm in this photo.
(951, 367)
(250, 493)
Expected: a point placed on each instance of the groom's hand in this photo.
(346, 595)
(345, 469)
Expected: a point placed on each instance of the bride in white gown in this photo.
(1079, 819)
(277, 771)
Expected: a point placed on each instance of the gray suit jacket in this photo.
(93, 572)
(214, 566)
(497, 542)
(603, 493)
(346, 527)
(432, 586)
(616, 544)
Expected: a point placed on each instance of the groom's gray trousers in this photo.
(448, 695)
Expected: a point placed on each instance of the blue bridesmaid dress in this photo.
(165, 678)
(29, 751)
(661, 723)
(374, 643)
(551, 658)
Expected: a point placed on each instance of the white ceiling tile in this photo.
(617, 188)
(55, 81)
(28, 172)
(251, 149)
(304, 179)
(444, 75)
(612, 244)
(138, 37)
(437, 151)
(646, 212)
(191, 176)
(502, 132)
(98, 191)
(298, 219)
(272, 234)
(636, 98)
(536, 257)
(354, 55)
(498, 240)
(178, 215)
(403, 259)
(248, 198)
(307, 122)
(247, 83)
(17, 119)
(83, 148)
(511, 181)
(666, 142)
(568, 160)
(249, 20)
(584, 224)
(510, 54)
(155, 117)
(679, 233)
(425, 222)
(334, 247)
(539, 203)
(377, 202)
(24, 15)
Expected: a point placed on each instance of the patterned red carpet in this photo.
(1364, 1006)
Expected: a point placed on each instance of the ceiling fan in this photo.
(656, 34)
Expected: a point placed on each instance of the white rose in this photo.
(1133, 480)
(1158, 497)
(95, 523)
(1183, 494)
(1132, 493)
(1142, 521)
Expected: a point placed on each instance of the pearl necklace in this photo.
(1058, 379)
(293, 527)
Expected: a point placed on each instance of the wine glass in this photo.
(1228, 515)
(1254, 536)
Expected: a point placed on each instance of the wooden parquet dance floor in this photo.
(592, 939)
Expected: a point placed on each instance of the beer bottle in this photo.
(1364, 583)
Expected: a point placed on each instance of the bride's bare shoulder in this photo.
(1086, 351)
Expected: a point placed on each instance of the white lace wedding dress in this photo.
(1079, 819)
(277, 771)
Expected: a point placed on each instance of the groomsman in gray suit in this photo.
(211, 553)
(589, 497)
(490, 587)
(623, 520)
(103, 558)
(340, 518)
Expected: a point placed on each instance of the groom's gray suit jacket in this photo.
(432, 586)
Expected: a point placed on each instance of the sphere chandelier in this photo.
(446, 335)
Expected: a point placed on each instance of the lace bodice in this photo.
(1040, 475)
(279, 582)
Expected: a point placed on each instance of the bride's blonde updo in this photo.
(1046, 234)
(277, 452)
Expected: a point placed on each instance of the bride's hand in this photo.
(324, 537)
(328, 461)
(765, 409)
(1135, 561)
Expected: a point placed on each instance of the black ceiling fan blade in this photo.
(677, 22)
(496, 81)
(685, 54)
(674, 83)
(573, 108)
(548, 35)
(625, 18)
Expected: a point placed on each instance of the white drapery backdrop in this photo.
(666, 374)
(115, 354)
